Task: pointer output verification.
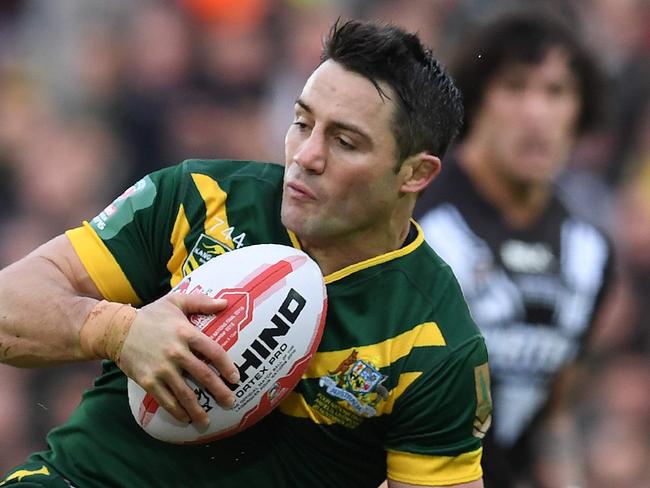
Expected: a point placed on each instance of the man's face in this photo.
(528, 118)
(339, 180)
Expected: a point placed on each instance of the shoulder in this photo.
(218, 178)
(233, 169)
(587, 256)
(434, 293)
(579, 235)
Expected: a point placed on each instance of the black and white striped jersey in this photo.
(533, 292)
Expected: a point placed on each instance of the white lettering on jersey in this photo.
(238, 240)
(526, 257)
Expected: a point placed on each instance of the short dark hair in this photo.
(429, 106)
(525, 36)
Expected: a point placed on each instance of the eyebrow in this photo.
(335, 123)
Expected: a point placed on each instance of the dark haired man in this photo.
(532, 273)
(370, 127)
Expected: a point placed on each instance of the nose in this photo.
(311, 153)
(536, 107)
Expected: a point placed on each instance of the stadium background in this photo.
(94, 94)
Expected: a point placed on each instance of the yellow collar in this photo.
(382, 258)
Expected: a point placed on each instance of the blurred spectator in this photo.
(61, 175)
(14, 419)
(298, 54)
(52, 394)
(615, 415)
(241, 14)
(157, 68)
(426, 18)
(619, 30)
(533, 273)
(618, 449)
(632, 234)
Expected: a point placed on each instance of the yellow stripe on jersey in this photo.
(382, 354)
(179, 251)
(405, 380)
(216, 219)
(419, 469)
(353, 268)
(102, 267)
(295, 405)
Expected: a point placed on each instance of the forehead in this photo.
(333, 92)
(554, 64)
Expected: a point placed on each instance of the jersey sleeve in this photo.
(125, 248)
(439, 420)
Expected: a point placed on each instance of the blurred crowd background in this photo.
(95, 93)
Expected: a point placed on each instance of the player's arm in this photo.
(45, 298)
(50, 315)
(471, 484)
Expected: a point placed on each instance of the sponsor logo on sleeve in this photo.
(122, 211)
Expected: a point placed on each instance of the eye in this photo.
(301, 122)
(556, 90)
(514, 84)
(344, 144)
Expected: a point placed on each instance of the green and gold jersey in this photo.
(399, 385)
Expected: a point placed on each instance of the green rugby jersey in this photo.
(399, 384)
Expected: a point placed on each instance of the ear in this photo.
(418, 171)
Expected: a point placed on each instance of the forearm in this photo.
(41, 313)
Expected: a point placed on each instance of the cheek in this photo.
(345, 194)
(567, 120)
(501, 107)
(499, 123)
(289, 145)
(563, 132)
(504, 142)
(379, 194)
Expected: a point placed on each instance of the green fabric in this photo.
(101, 444)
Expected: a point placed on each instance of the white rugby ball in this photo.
(277, 302)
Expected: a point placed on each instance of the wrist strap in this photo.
(103, 333)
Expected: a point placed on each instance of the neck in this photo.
(519, 202)
(335, 254)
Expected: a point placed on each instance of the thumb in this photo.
(197, 303)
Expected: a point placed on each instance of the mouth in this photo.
(535, 146)
(299, 191)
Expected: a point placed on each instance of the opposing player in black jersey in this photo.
(399, 386)
(532, 273)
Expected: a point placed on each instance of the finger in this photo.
(207, 377)
(188, 400)
(215, 355)
(166, 400)
(198, 303)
